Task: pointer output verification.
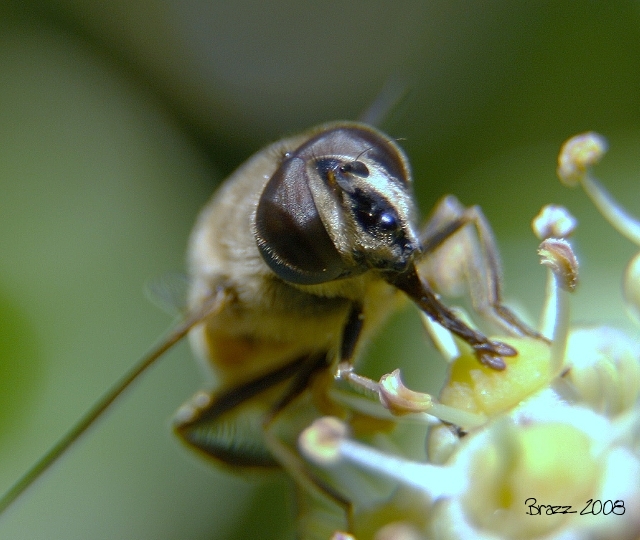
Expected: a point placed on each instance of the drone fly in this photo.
(293, 265)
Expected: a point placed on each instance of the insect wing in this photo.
(169, 293)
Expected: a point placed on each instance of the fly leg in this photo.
(318, 369)
(226, 426)
(290, 460)
(460, 251)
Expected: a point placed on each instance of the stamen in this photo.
(403, 402)
(558, 256)
(321, 441)
(631, 288)
(399, 399)
(553, 221)
(340, 535)
(441, 337)
(621, 220)
(576, 157)
(329, 439)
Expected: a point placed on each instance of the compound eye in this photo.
(289, 231)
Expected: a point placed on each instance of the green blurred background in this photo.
(117, 121)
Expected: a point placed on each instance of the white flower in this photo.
(547, 448)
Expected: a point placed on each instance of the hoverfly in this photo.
(294, 263)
